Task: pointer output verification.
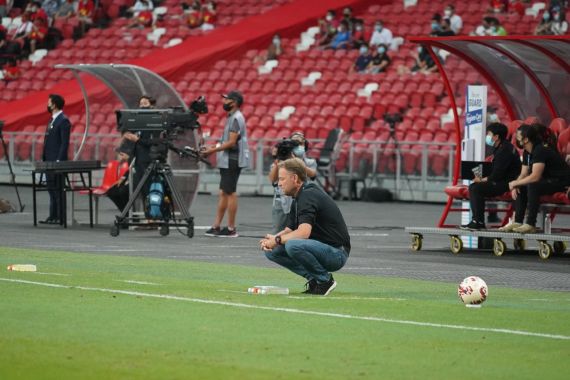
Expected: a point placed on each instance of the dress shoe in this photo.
(47, 221)
(54, 221)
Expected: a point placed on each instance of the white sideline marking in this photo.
(349, 298)
(294, 311)
(53, 274)
(139, 282)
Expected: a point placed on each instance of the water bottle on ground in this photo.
(547, 224)
(263, 289)
(22, 268)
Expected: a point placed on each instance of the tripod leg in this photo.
(179, 202)
(12, 175)
(137, 192)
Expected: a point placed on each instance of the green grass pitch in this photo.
(85, 316)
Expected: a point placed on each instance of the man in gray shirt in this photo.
(232, 155)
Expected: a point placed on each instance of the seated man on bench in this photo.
(506, 166)
(544, 171)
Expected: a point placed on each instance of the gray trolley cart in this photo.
(499, 246)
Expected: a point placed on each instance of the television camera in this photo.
(161, 127)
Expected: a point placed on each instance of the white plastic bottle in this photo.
(22, 268)
(547, 224)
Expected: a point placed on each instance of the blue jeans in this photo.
(308, 258)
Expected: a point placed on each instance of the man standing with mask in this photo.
(56, 144)
(232, 155)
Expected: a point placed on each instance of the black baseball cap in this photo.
(234, 95)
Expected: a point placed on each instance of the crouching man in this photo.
(315, 241)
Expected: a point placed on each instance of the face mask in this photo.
(359, 27)
(493, 118)
(546, 16)
(299, 151)
(447, 12)
(556, 17)
(363, 50)
(329, 18)
(434, 26)
(420, 49)
(49, 109)
(378, 28)
(276, 41)
(493, 29)
(381, 50)
(489, 140)
(227, 107)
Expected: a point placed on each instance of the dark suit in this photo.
(56, 144)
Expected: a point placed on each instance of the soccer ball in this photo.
(473, 291)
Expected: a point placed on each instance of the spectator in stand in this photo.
(341, 40)
(381, 35)
(327, 28)
(544, 27)
(499, 6)
(11, 71)
(85, 12)
(380, 60)
(435, 24)
(66, 9)
(51, 7)
(362, 61)
(22, 33)
(454, 20)
(348, 19)
(141, 5)
(38, 34)
(445, 30)
(36, 11)
(8, 49)
(209, 16)
(559, 25)
(273, 51)
(484, 29)
(424, 63)
(496, 28)
(359, 37)
(194, 15)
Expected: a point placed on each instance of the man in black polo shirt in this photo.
(506, 167)
(315, 241)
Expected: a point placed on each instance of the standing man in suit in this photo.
(56, 143)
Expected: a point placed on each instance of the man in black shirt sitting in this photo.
(506, 167)
(315, 241)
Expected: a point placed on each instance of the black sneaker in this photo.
(213, 231)
(310, 286)
(325, 288)
(226, 232)
(473, 225)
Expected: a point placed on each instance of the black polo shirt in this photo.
(506, 163)
(313, 206)
(554, 165)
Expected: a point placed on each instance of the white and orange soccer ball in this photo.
(473, 291)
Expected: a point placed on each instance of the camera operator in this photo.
(232, 155)
(139, 144)
(296, 146)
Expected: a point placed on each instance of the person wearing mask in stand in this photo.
(484, 29)
(381, 35)
(273, 51)
(282, 202)
(380, 61)
(362, 61)
(455, 21)
(327, 28)
(359, 37)
(435, 24)
(559, 25)
(348, 19)
(496, 28)
(543, 28)
(445, 30)
(506, 167)
(543, 172)
(341, 40)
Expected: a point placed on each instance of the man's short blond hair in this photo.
(295, 166)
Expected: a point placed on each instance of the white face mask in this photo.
(447, 12)
(276, 41)
(329, 17)
(363, 50)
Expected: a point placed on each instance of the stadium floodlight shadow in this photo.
(326, 163)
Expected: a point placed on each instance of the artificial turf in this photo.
(88, 330)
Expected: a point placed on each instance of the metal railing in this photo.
(389, 165)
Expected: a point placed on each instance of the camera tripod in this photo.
(12, 175)
(397, 152)
(157, 168)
